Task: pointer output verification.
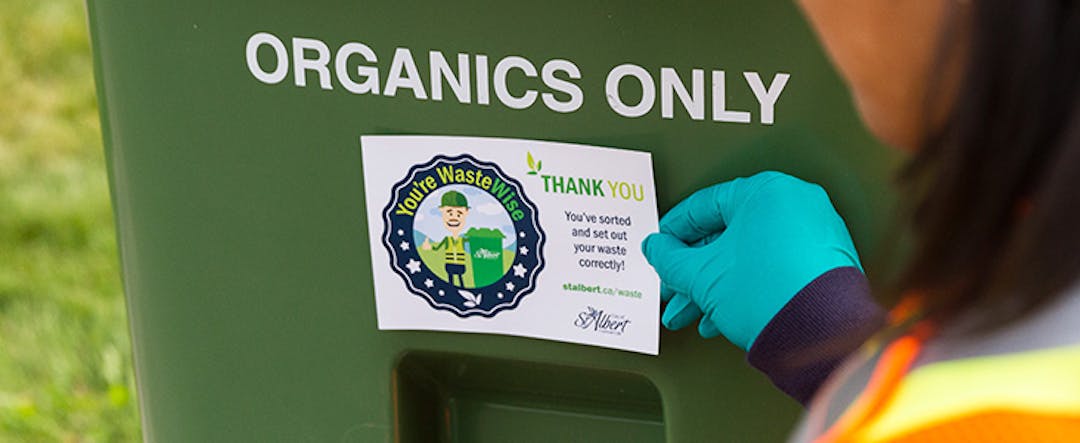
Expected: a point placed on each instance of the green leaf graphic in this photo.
(529, 158)
(539, 165)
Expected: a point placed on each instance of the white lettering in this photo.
(370, 74)
(767, 97)
(548, 75)
(459, 83)
(301, 64)
(720, 113)
(671, 85)
(403, 74)
(502, 90)
(648, 90)
(252, 51)
(556, 82)
(483, 94)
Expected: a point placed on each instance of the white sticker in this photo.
(518, 237)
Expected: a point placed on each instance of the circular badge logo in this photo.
(463, 236)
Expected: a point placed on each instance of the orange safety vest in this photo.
(1030, 395)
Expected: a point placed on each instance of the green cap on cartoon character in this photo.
(455, 199)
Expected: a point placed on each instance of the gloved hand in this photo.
(735, 253)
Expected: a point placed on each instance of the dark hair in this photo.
(995, 190)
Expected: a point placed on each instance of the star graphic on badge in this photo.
(509, 286)
(519, 270)
(413, 265)
(429, 283)
(524, 250)
(404, 246)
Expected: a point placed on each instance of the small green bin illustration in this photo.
(486, 252)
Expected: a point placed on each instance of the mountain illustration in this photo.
(419, 237)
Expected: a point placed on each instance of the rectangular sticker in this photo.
(517, 237)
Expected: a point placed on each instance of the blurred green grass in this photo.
(65, 359)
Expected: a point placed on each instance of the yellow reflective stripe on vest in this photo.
(1040, 382)
(455, 251)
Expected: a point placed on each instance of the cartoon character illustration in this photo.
(462, 247)
(455, 209)
(471, 253)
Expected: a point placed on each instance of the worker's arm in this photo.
(767, 262)
(441, 244)
(815, 331)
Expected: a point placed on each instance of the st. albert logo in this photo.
(463, 235)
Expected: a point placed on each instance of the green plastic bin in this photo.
(486, 255)
(238, 193)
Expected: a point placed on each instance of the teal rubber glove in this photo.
(735, 253)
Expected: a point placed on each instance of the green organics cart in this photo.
(232, 134)
(486, 255)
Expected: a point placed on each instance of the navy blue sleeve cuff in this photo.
(815, 331)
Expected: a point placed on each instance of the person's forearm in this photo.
(814, 332)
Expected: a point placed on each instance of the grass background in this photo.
(65, 359)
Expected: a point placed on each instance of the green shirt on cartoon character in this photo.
(454, 208)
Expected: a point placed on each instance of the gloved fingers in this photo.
(680, 313)
(708, 239)
(666, 292)
(707, 329)
(668, 255)
(700, 214)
